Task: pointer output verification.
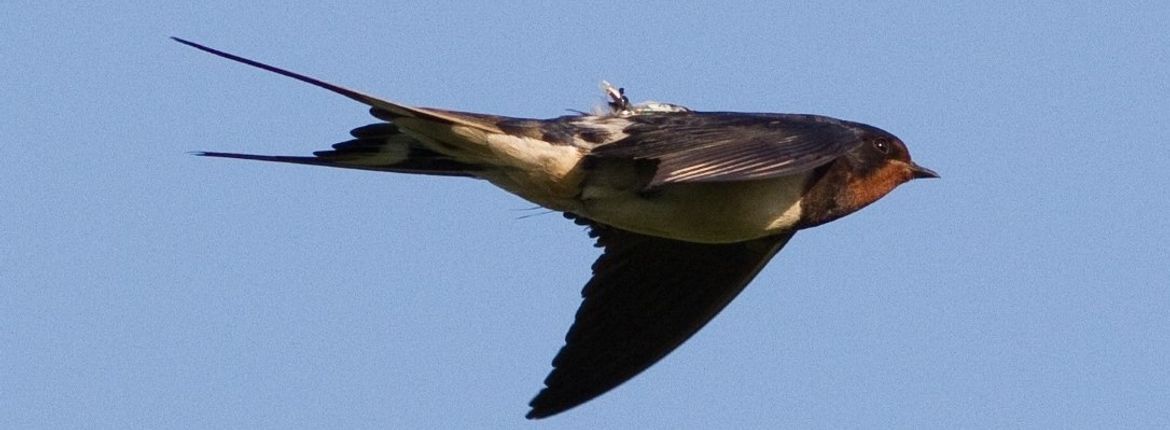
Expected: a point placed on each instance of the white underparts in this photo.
(710, 212)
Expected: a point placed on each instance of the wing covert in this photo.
(728, 146)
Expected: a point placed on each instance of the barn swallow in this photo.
(688, 206)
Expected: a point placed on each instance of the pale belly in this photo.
(715, 212)
(719, 212)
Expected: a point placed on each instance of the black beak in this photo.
(922, 172)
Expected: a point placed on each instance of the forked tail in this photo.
(381, 147)
(415, 140)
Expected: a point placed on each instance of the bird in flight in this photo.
(688, 206)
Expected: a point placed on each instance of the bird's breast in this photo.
(707, 212)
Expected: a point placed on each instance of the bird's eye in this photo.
(882, 144)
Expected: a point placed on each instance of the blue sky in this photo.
(146, 288)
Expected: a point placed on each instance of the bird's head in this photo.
(863, 175)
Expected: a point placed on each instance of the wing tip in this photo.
(543, 407)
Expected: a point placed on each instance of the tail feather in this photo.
(480, 122)
(380, 147)
(535, 159)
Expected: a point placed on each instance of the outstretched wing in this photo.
(728, 146)
(648, 295)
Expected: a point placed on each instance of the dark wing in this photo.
(728, 146)
(648, 295)
(381, 147)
